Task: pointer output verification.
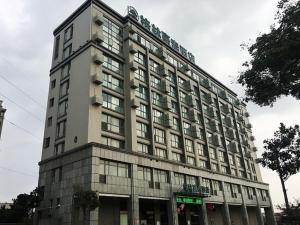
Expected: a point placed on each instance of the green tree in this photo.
(85, 200)
(291, 216)
(274, 68)
(282, 154)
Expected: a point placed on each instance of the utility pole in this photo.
(2, 112)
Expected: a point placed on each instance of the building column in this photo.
(244, 207)
(225, 207)
(270, 218)
(203, 217)
(259, 215)
(134, 209)
(172, 211)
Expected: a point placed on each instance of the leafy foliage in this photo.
(283, 151)
(291, 216)
(274, 67)
(21, 210)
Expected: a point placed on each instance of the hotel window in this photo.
(142, 130)
(114, 168)
(176, 157)
(49, 121)
(212, 153)
(234, 172)
(184, 112)
(205, 109)
(113, 83)
(159, 135)
(231, 159)
(161, 176)
(113, 103)
(65, 72)
(56, 48)
(141, 92)
(242, 174)
(53, 84)
(144, 148)
(158, 116)
(224, 169)
(214, 166)
(144, 173)
(216, 185)
(46, 143)
(112, 124)
(171, 77)
(61, 129)
(112, 36)
(62, 108)
(253, 168)
(202, 163)
(189, 145)
(175, 124)
(200, 149)
(68, 33)
(67, 51)
(174, 107)
(112, 65)
(206, 183)
(191, 180)
(175, 143)
(59, 148)
(182, 97)
(209, 137)
(239, 162)
(154, 66)
(112, 142)
(221, 156)
(181, 81)
(157, 99)
(140, 58)
(51, 102)
(140, 75)
(178, 179)
(156, 82)
(247, 164)
(142, 111)
(64, 89)
(191, 160)
(187, 128)
(173, 92)
(161, 153)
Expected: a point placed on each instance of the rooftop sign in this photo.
(160, 34)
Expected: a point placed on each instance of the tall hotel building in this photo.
(132, 117)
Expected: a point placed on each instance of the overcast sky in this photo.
(211, 29)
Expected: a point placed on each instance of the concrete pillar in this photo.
(172, 211)
(225, 207)
(244, 207)
(259, 215)
(204, 217)
(134, 209)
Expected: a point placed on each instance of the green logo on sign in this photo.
(189, 200)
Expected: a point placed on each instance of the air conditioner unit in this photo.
(134, 84)
(188, 86)
(163, 71)
(223, 94)
(213, 125)
(192, 115)
(212, 112)
(162, 53)
(99, 19)
(216, 140)
(191, 100)
(96, 101)
(132, 48)
(231, 134)
(168, 103)
(135, 103)
(206, 83)
(133, 66)
(97, 78)
(226, 109)
(233, 147)
(229, 121)
(185, 68)
(196, 131)
(98, 36)
(168, 120)
(98, 58)
(165, 86)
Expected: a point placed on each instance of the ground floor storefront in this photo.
(185, 210)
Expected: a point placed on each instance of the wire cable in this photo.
(27, 95)
(23, 129)
(16, 171)
(21, 107)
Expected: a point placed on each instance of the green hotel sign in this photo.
(189, 200)
(160, 34)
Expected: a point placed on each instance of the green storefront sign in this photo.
(189, 200)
